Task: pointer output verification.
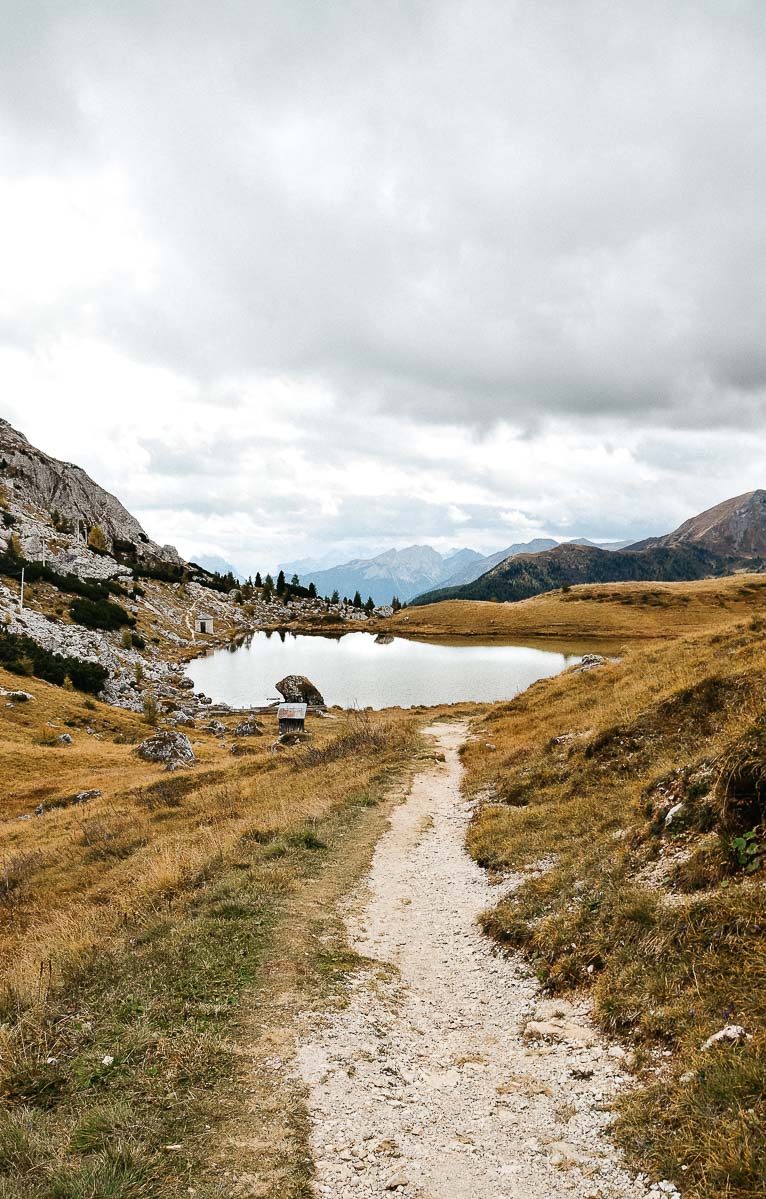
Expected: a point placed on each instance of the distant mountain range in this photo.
(407, 573)
(218, 565)
(726, 538)
(401, 573)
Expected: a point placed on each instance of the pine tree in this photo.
(370, 604)
(312, 591)
(335, 598)
(258, 579)
(357, 600)
(295, 581)
(281, 583)
(396, 603)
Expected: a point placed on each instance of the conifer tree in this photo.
(357, 600)
(96, 538)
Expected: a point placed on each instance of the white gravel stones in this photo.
(424, 1084)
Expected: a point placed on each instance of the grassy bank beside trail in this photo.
(605, 612)
(149, 946)
(633, 800)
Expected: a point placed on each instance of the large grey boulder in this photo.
(297, 689)
(169, 747)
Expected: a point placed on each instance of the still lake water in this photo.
(355, 670)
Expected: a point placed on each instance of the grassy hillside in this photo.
(611, 612)
(530, 574)
(137, 928)
(657, 911)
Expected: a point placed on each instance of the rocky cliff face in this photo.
(37, 485)
(735, 529)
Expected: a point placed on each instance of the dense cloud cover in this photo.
(285, 273)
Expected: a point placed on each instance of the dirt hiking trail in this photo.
(425, 1084)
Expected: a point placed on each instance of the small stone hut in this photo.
(203, 624)
(292, 717)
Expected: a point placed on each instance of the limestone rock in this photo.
(42, 483)
(297, 689)
(248, 728)
(67, 801)
(559, 1029)
(731, 1034)
(169, 747)
(590, 662)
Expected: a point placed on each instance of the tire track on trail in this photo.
(425, 1084)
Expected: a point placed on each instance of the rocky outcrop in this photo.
(168, 747)
(36, 485)
(297, 689)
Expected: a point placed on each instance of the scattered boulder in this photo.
(297, 689)
(16, 697)
(185, 683)
(731, 1034)
(384, 639)
(183, 718)
(590, 662)
(239, 751)
(65, 739)
(215, 726)
(67, 801)
(169, 747)
(248, 728)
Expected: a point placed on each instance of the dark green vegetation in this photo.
(21, 655)
(11, 565)
(642, 787)
(531, 574)
(99, 614)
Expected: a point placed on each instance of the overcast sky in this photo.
(298, 276)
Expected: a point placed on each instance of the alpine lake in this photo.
(361, 670)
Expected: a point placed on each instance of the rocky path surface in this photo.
(430, 1083)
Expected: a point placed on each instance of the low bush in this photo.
(99, 614)
(22, 655)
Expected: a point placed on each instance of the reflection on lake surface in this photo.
(357, 670)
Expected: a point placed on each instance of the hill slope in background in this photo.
(474, 570)
(735, 529)
(403, 573)
(530, 574)
(731, 536)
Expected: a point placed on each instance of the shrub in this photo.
(22, 655)
(150, 709)
(99, 614)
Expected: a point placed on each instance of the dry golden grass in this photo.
(598, 611)
(132, 926)
(665, 924)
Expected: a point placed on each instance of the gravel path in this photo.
(428, 1083)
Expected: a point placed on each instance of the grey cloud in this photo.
(463, 212)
